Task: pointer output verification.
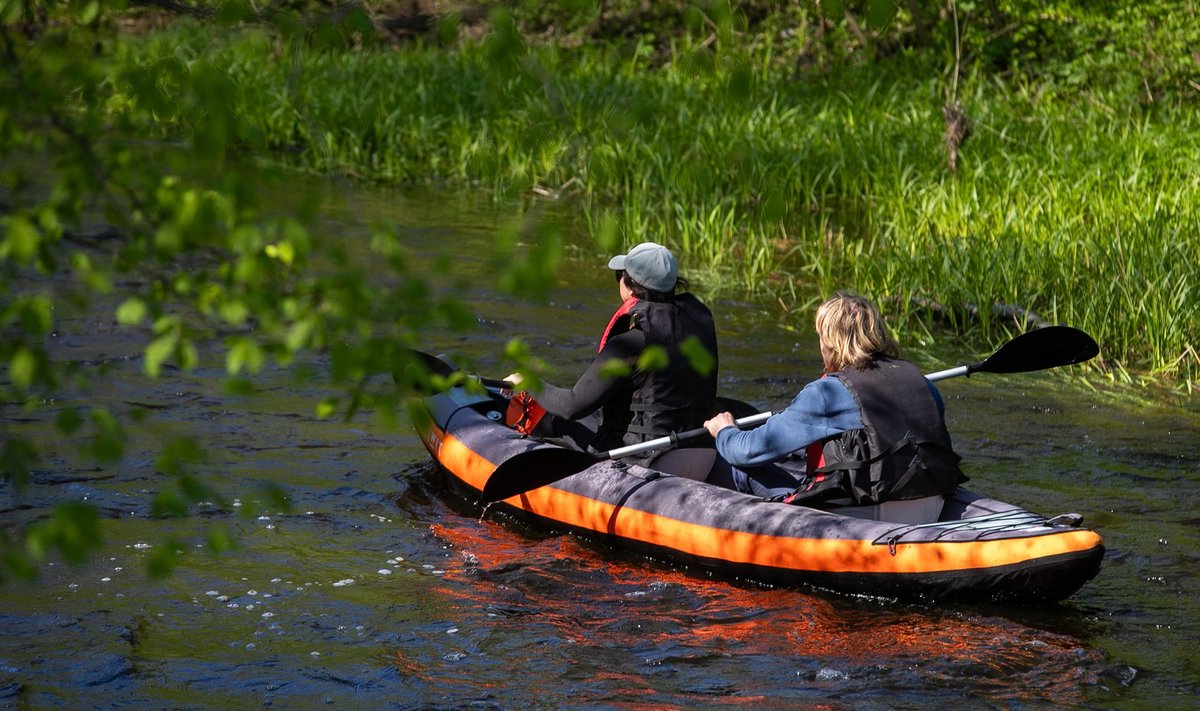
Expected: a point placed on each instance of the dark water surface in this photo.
(379, 589)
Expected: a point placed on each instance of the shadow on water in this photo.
(379, 588)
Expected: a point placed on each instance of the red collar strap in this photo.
(625, 307)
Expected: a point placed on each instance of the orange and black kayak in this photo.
(979, 548)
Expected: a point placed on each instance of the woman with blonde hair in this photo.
(871, 429)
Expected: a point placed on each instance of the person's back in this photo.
(901, 451)
(645, 396)
(675, 395)
(872, 429)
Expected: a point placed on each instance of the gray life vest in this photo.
(901, 452)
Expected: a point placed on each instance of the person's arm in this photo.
(822, 409)
(594, 387)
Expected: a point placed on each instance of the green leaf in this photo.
(325, 408)
(157, 353)
(19, 456)
(164, 558)
(880, 13)
(220, 541)
(244, 354)
(108, 441)
(89, 12)
(653, 358)
(22, 240)
(131, 312)
(23, 368)
(69, 420)
(614, 368)
(37, 315)
(699, 357)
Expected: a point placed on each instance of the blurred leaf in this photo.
(244, 354)
(22, 368)
(615, 368)
(880, 13)
(73, 530)
(69, 420)
(179, 455)
(131, 311)
(108, 440)
(699, 357)
(653, 358)
(157, 353)
(325, 408)
(164, 558)
(21, 240)
(220, 541)
(19, 456)
(608, 235)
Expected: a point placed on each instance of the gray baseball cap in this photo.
(649, 264)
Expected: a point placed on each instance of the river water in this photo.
(378, 588)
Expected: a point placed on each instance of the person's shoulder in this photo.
(827, 386)
(624, 344)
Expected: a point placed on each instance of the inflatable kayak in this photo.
(977, 549)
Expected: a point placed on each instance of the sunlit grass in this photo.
(1081, 208)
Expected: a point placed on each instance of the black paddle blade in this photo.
(411, 370)
(536, 468)
(1048, 347)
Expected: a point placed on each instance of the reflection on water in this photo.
(378, 588)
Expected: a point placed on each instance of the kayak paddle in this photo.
(1049, 347)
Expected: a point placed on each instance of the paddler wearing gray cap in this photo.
(617, 402)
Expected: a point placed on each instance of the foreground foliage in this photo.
(942, 158)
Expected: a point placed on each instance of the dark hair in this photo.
(643, 293)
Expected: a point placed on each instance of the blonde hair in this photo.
(852, 332)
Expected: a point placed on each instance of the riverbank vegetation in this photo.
(977, 167)
(992, 177)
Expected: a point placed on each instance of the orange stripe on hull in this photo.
(810, 554)
(467, 464)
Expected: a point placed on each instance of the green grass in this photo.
(1079, 203)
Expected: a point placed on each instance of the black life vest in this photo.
(903, 450)
(675, 398)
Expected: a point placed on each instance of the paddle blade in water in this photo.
(1048, 347)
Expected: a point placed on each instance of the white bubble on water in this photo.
(314, 654)
(277, 580)
(384, 571)
(455, 656)
(452, 630)
(343, 583)
(268, 615)
(252, 593)
(828, 674)
(105, 579)
(212, 593)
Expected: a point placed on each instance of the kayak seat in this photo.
(690, 462)
(924, 510)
